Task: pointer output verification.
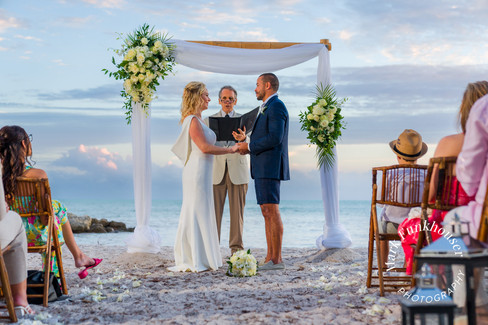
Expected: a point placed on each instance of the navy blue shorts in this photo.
(267, 190)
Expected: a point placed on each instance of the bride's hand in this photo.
(240, 135)
(234, 148)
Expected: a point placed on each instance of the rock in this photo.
(88, 224)
(117, 226)
(104, 222)
(97, 228)
(79, 224)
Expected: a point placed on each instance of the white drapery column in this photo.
(247, 61)
(144, 239)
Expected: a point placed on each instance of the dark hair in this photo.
(228, 88)
(13, 156)
(272, 79)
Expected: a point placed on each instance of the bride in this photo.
(197, 243)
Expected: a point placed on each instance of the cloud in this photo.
(59, 62)
(425, 31)
(76, 22)
(212, 16)
(106, 3)
(7, 22)
(28, 38)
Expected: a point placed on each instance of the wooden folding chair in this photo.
(5, 291)
(483, 229)
(441, 179)
(33, 198)
(400, 191)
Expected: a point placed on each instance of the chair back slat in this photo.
(446, 189)
(401, 185)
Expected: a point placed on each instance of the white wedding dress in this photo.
(197, 243)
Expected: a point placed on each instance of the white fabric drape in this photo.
(246, 61)
(334, 235)
(144, 239)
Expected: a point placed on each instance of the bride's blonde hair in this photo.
(192, 98)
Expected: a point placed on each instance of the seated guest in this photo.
(15, 150)
(472, 167)
(408, 148)
(449, 146)
(12, 234)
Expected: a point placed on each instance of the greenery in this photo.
(323, 122)
(241, 264)
(147, 57)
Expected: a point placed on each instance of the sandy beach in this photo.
(317, 287)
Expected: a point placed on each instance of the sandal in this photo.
(84, 273)
(21, 311)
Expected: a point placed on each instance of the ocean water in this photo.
(303, 221)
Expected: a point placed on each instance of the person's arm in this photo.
(197, 135)
(472, 159)
(277, 117)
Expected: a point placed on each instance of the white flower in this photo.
(158, 44)
(322, 102)
(318, 110)
(140, 58)
(144, 41)
(310, 116)
(321, 138)
(130, 54)
(330, 116)
(324, 123)
(316, 118)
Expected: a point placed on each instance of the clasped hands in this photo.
(241, 147)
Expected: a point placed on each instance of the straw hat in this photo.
(409, 145)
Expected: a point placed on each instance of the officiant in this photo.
(230, 176)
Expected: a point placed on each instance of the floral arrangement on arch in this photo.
(242, 263)
(323, 122)
(147, 57)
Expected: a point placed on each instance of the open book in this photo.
(224, 126)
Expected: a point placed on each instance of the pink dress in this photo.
(408, 228)
(471, 166)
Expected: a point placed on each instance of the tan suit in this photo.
(230, 174)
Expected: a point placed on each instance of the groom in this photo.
(268, 147)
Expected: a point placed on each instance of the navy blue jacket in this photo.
(269, 142)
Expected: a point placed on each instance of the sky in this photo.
(401, 64)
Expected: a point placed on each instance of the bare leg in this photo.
(268, 235)
(80, 258)
(272, 217)
(19, 293)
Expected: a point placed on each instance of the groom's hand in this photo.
(243, 148)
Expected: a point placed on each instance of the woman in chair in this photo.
(15, 151)
(449, 146)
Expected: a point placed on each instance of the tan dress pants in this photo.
(12, 233)
(237, 201)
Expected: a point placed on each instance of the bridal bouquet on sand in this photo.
(147, 56)
(323, 122)
(242, 263)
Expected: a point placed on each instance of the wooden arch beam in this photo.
(258, 45)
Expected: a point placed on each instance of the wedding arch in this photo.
(243, 58)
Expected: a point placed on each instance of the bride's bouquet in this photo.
(147, 56)
(323, 122)
(242, 263)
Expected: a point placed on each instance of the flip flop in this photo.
(21, 311)
(84, 273)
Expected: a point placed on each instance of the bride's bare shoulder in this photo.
(35, 173)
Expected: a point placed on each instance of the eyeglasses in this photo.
(30, 137)
(230, 99)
